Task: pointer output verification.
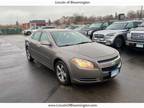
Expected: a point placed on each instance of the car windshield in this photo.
(117, 26)
(72, 27)
(95, 25)
(68, 38)
(79, 28)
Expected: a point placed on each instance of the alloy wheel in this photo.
(61, 74)
(28, 54)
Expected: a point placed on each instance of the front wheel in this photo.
(62, 73)
(119, 42)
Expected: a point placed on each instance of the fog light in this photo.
(108, 43)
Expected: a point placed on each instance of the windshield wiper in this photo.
(83, 42)
(67, 45)
(74, 44)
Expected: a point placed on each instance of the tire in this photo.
(91, 35)
(62, 73)
(119, 42)
(29, 57)
(28, 33)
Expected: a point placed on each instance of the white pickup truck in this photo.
(30, 30)
(135, 38)
(115, 34)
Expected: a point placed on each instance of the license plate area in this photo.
(139, 45)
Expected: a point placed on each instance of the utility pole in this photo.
(141, 12)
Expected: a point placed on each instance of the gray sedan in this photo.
(74, 57)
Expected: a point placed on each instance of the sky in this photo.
(22, 14)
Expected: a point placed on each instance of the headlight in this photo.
(89, 32)
(83, 63)
(128, 36)
(111, 34)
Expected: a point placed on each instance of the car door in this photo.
(46, 51)
(35, 44)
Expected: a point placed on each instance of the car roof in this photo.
(47, 26)
(52, 30)
(128, 21)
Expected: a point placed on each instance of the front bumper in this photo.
(135, 44)
(104, 73)
(104, 41)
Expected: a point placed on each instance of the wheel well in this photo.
(28, 31)
(122, 37)
(57, 59)
(26, 46)
(91, 36)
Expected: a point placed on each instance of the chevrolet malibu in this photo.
(72, 56)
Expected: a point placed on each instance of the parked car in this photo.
(47, 27)
(81, 28)
(115, 34)
(94, 27)
(1, 32)
(135, 38)
(73, 56)
(72, 27)
(30, 30)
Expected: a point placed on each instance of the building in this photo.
(34, 23)
(25, 26)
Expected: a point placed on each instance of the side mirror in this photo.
(104, 27)
(45, 43)
(129, 29)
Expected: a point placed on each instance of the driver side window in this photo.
(130, 25)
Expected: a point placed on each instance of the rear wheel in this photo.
(62, 73)
(28, 33)
(29, 57)
(119, 42)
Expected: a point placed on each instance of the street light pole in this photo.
(141, 12)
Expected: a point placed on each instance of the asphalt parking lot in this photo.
(21, 81)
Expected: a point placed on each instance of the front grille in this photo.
(137, 36)
(98, 35)
(106, 77)
(88, 79)
(111, 68)
(108, 60)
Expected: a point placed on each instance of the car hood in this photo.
(88, 29)
(104, 32)
(138, 29)
(92, 50)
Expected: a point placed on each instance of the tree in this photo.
(132, 15)
(49, 22)
(57, 22)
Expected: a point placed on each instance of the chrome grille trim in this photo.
(110, 63)
(107, 60)
(137, 36)
(98, 36)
